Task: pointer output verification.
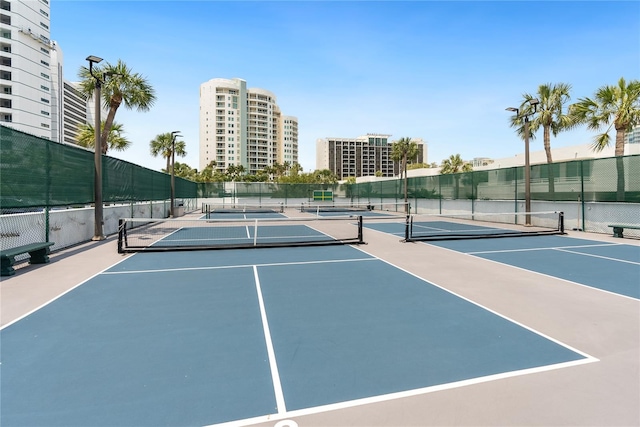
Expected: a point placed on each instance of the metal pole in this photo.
(173, 177)
(527, 173)
(97, 180)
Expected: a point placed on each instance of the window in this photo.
(44, 125)
(46, 76)
(5, 5)
(6, 117)
(5, 103)
(43, 25)
(5, 19)
(44, 50)
(44, 88)
(45, 113)
(5, 75)
(44, 62)
(44, 13)
(5, 61)
(45, 100)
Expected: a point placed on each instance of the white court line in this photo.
(222, 267)
(597, 256)
(537, 249)
(398, 395)
(63, 293)
(277, 386)
(425, 390)
(545, 275)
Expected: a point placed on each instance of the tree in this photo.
(455, 165)
(550, 116)
(115, 139)
(121, 86)
(404, 150)
(616, 106)
(235, 173)
(163, 145)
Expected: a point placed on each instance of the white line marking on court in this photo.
(248, 233)
(538, 249)
(222, 267)
(485, 308)
(543, 274)
(399, 395)
(597, 256)
(277, 386)
(63, 293)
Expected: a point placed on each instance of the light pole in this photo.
(527, 167)
(174, 135)
(97, 178)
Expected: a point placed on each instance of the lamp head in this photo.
(513, 109)
(94, 59)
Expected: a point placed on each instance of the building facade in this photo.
(243, 126)
(25, 68)
(367, 155)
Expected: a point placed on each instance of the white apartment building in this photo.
(365, 155)
(26, 81)
(241, 126)
(289, 152)
(76, 112)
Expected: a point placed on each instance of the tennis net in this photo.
(222, 208)
(144, 234)
(430, 227)
(396, 207)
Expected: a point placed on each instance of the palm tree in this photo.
(616, 106)
(549, 115)
(122, 85)
(115, 139)
(454, 165)
(403, 151)
(163, 145)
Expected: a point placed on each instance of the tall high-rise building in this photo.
(26, 83)
(76, 110)
(367, 155)
(240, 126)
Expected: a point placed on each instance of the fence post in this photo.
(584, 222)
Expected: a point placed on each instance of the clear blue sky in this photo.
(441, 71)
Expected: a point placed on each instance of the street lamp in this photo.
(97, 178)
(527, 167)
(174, 135)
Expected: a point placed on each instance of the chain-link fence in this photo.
(46, 192)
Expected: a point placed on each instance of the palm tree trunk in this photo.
(107, 127)
(406, 193)
(619, 152)
(547, 150)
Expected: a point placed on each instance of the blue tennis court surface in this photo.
(245, 234)
(611, 267)
(207, 337)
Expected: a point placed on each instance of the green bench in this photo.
(38, 253)
(619, 228)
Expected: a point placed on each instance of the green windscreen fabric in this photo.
(36, 172)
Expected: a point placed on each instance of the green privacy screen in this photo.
(36, 172)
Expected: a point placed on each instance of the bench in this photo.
(38, 253)
(618, 228)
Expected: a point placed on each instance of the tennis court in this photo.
(327, 335)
